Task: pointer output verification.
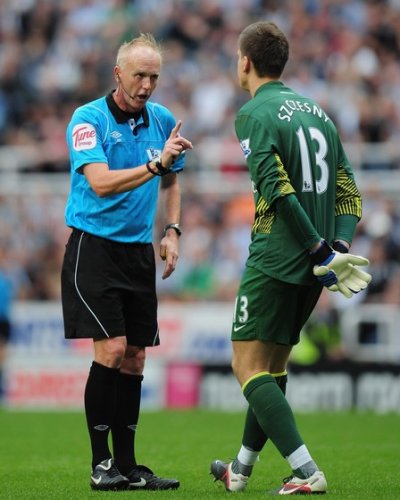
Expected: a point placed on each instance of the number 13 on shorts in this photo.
(241, 313)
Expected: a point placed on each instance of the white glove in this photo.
(338, 273)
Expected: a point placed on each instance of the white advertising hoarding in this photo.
(45, 370)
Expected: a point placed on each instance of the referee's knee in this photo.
(133, 362)
(110, 352)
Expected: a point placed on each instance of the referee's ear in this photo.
(117, 73)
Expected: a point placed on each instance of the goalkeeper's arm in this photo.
(333, 269)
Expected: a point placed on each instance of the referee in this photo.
(122, 148)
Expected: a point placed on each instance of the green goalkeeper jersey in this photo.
(292, 148)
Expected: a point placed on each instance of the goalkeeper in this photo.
(307, 206)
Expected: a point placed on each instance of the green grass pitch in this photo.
(45, 455)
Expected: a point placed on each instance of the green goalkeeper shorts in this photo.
(271, 310)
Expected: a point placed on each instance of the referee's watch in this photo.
(158, 164)
(160, 169)
(173, 226)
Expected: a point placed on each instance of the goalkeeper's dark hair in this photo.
(266, 46)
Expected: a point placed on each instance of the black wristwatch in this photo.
(158, 164)
(175, 227)
(160, 169)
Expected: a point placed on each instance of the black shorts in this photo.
(108, 289)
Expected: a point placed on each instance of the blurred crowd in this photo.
(56, 55)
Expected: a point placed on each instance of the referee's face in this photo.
(137, 77)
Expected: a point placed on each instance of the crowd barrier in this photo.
(191, 367)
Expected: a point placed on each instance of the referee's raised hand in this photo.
(175, 145)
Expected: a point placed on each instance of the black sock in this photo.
(100, 399)
(127, 415)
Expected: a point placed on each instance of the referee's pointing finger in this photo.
(175, 130)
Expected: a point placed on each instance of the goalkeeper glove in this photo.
(338, 246)
(337, 271)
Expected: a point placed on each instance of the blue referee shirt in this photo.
(100, 132)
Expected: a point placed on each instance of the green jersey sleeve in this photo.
(268, 175)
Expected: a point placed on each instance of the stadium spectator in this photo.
(12, 284)
(6, 298)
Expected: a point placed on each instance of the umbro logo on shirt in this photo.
(116, 135)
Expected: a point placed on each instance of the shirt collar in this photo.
(122, 116)
(268, 85)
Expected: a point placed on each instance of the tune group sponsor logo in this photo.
(83, 137)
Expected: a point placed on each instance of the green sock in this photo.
(282, 382)
(273, 413)
(253, 435)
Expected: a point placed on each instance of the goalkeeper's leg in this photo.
(275, 417)
(235, 474)
(274, 314)
(254, 438)
(251, 363)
